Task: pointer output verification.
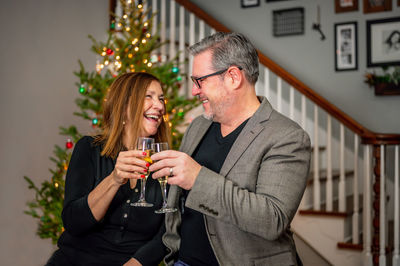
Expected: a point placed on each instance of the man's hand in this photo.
(184, 168)
(132, 262)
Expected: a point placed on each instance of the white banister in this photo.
(396, 251)
(163, 34)
(155, 18)
(367, 207)
(191, 42)
(172, 27)
(266, 83)
(291, 103)
(342, 181)
(182, 50)
(382, 211)
(316, 183)
(303, 111)
(202, 27)
(279, 94)
(212, 31)
(329, 184)
(355, 229)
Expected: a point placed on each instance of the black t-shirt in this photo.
(195, 248)
(124, 232)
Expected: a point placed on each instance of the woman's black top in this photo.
(124, 232)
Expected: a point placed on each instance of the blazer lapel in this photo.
(200, 130)
(250, 131)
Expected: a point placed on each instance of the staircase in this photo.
(349, 214)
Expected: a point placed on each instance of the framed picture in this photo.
(371, 6)
(250, 3)
(346, 46)
(383, 42)
(288, 22)
(346, 5)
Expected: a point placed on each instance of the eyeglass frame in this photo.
(196, 80)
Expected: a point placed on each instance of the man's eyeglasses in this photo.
(198, 80)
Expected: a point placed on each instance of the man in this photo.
(242, 168)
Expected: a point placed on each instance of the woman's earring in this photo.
(123, 123)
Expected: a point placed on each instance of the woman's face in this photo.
(153, 109)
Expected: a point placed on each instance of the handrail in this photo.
(367, 136)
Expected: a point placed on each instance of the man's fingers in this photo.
(131, 168)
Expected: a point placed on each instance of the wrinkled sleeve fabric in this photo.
(153, 251)
(76, 215)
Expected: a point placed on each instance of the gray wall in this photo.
(312, 60)
(41, 41)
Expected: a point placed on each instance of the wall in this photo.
(312, 60)
(41, 41)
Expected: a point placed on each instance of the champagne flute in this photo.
(157, 147)
(145, 145)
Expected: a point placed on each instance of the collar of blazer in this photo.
(253, 127)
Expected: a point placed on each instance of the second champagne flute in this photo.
(157, 147)
(145, 145)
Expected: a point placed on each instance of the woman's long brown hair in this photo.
(127, 90)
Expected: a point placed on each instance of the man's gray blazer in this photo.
(249, 205)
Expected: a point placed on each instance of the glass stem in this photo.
(164, 194)
(143, 189)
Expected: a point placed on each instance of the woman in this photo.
(101, 228)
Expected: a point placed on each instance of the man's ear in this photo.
(235, 77)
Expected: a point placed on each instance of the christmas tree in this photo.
(130, 47)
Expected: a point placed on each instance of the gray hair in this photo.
(230, 49)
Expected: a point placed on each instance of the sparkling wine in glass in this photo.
(157, 147)
(145, 145)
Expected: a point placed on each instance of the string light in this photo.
(56, 185)
(103, 54)
(145, 61)
(104, 49)
(134, 41)
(127, 28)
(140, 6)
(106, 62)
(146, 24)
(136, 48)
(125, 16)
(130, 55)
(148, 35)
(117, 57)
(149, 64)
(144, 41)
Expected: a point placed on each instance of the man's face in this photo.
(212, 93)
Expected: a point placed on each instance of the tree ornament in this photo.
(175, 70)
(95, 121)
(82, 89)
(69, 144)
(109, 51)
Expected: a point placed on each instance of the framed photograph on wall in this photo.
(383, 42)
(346, 46)
(371, 6)
(249, 3)
(346, 5)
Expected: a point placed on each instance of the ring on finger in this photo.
(171, 171)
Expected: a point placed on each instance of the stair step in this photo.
(323, 175)
(349, 245)
(320, 148)
(335, 212)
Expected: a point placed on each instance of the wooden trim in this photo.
(365, 134)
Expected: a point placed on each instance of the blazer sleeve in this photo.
(76, 215)
(280, 182)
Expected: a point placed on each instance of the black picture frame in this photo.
(383, 42)
(286, 22)
(346, 41)
(249, 3)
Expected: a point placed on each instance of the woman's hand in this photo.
(129, 165)
(132, 262)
